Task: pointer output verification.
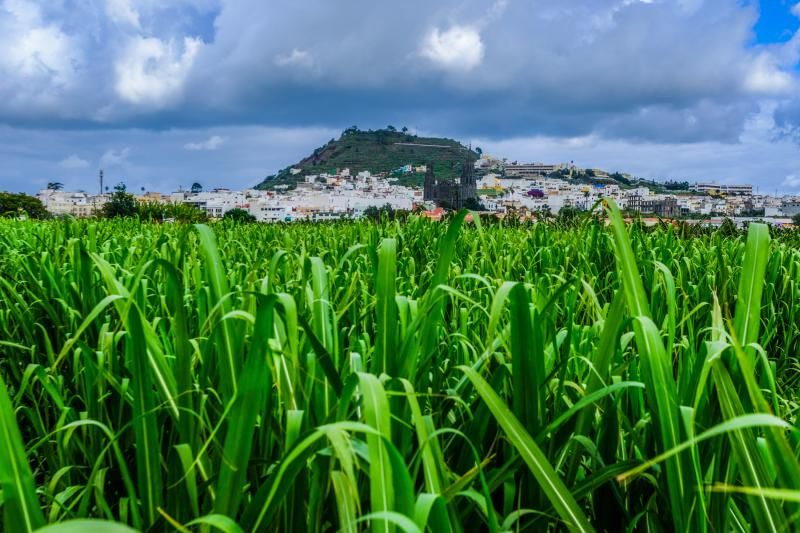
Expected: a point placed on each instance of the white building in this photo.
(216, 202)
(530, 170)
(76, 204)
(716, 188)
(270, 210)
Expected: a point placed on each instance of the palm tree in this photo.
(196, 187)
(55, 186)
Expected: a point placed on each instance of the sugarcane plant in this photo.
(398, 376)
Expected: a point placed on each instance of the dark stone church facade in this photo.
(450, 193)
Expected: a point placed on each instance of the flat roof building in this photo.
(530, 170)
(712, 188)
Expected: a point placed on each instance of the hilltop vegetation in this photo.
(377, 151)
(387, 150)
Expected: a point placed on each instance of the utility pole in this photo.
(101, 182)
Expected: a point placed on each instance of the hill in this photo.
(378, 151)
(387, 150)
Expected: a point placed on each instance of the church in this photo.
(451, 193)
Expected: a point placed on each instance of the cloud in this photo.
(668, 73)
(152, 72)
(73, 162)
(496, 68)
(766, 77)
(122, 12)
(42, 51)
(756, 161)
(492, 67)
(458, 48)
(495, 12)
(147, 158)
(296, 57)
(212, 143)
(115, 158)
(792, 181)
(151, 159)
(38, 59)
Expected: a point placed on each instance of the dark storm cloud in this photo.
(657, 71)
(677, 70)
(562, 70)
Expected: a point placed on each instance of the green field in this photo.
(413, 376)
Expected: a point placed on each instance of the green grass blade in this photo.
(656, 363)
(430, 513)
(377, 415)
(219, 522)
(148, 462)
(768, 514)
(346, 501)
(21, 510)
(86, 526)
(230, 365)
(250, 400)
(558, 494)
(385, 341)
(735, 424)
(527, 361)
(747, 319)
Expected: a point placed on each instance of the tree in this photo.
(372, 212)
(55, 186)
(728, 228)
(121, 205)
(676, 185)
(391, 128)
(196, 188)
(377, 213)
(238, 215)
(14, 205)
(404, 129)
(473, 204)
(478, 151)
(796, 220)
(619, 178)
(169, 212)
(567, 216)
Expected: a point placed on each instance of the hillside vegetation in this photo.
(388, 149)
(377, 151)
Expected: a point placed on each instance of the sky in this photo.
(163, 93)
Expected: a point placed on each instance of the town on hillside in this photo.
(394, 170)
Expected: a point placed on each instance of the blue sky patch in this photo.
(776, 22)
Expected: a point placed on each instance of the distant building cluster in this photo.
(536, 195)
(75, 204)
(521, 189)
(317, 198)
